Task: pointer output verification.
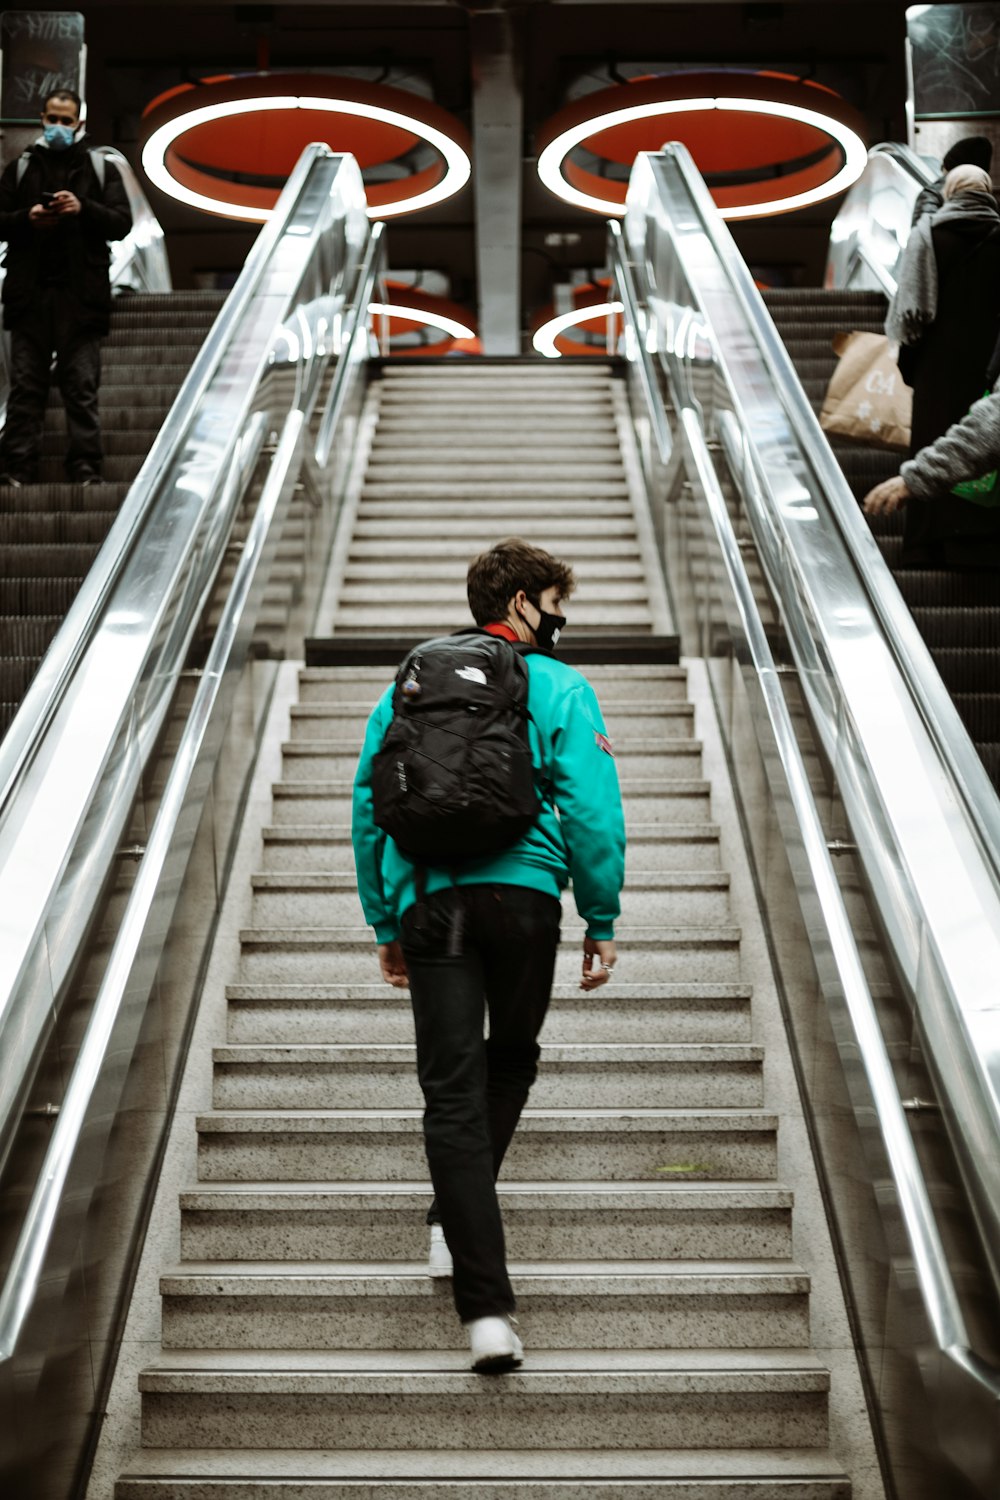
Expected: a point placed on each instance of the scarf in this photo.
(914, 307)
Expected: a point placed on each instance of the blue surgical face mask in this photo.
(58, 137)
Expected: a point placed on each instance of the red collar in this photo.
(501, 629)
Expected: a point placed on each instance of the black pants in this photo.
(55, 328)
(474, 1089)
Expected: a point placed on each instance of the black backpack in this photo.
(454, 778)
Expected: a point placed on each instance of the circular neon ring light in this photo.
(544, 338)
(450, 326)
(155, 152)
(553, 157)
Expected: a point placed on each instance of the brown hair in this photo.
(496, 576)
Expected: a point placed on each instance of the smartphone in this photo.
(46, 199)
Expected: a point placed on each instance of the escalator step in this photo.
(36, 560)
(56, 493)
(117, 416)
(933, 587)
(117, 469)
(979, 712)
(863, 468)
(56, 526)
(27, 637)
(966, 669)
(155, 317)
(816, 330)
(969, 627)
(16, 673)
(37, 596)
(813, 296)
(989, 754)
(890, 525)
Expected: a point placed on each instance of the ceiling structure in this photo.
(505, 245)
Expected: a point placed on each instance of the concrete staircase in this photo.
(305, 1350)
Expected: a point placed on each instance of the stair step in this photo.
(451, 594)
(362, 1076)
(286, 1014)
(664, 847)
(393, 620)
(568, 1399)
(355, 1306)
(531, 489)
(330, 801)
(549, 1146)
(643, 1474)
(660, 954)
(482, 461)
(636, 756)
(314, 721)
(476, 530)
(441, 431)
(385, 1222)
(615, 685)
(409, 552)
(316, 898)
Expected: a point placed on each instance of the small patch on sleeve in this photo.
(604, 743)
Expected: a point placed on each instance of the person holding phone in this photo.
(58, 212)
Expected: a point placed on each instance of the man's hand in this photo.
(41, 217)
(393, 965)
(66, 202)
(599, 957)
(886, 497)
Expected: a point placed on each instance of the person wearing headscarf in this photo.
(946, 316)
(971, 151)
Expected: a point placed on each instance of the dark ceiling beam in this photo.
(497, 132)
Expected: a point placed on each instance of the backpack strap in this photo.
(97, 160)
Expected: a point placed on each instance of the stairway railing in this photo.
(85, 735)
(924, 817)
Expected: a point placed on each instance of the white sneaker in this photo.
(439, 1259)
(495, 1346)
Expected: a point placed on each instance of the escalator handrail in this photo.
(635, 322)
(372, 268)
(923, 680)
(916, 166)
(933, 1274)
(146, 919)
(74, 635)
(205, 499)
(853, 223)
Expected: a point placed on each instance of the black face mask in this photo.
(548, 629)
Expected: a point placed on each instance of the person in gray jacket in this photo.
(968, 450)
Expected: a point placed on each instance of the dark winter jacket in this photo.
(75, 253)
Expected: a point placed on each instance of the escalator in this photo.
(51, 532)
(956, 612)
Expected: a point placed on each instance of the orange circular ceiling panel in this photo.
(274, 142)
(785, 142)
(220, 145)
(719, 143)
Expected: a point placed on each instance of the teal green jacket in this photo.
(578, 836)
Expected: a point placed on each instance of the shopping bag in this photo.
(867, 398)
